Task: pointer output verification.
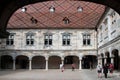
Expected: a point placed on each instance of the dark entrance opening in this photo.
(22, 62)
(116, 59)
(38, 62)
(108, 57)
(54, 62)
(6, 62)
(89, 61)
(69, 60)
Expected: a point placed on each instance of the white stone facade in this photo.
(109, 38)
(76, 47)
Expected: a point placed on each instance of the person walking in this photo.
(91, 65)
(62, 69)
(105, 70)
(99, 70)
(111, 68)
(73, 67)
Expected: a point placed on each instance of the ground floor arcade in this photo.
(38, 61)
(110, 54)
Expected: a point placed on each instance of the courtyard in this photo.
(54, 74)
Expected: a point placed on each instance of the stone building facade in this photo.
(109, 39)
(48, 48)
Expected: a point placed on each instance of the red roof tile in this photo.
(63, 8)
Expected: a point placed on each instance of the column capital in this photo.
(46, 58)
(62, 58)
(80, 58)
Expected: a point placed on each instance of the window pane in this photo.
(46, 42)
(46, 37)
(68, 42)
(12, 42)
(32, 42)
(84, 36)
(50, 42)
(64, 37)
(68, 36)
(27, 42)
(32, 37)
(64, 42)
(50, 36)
(88, 42)
(28, 37)
(88, 36)
(7, 42)
(84, 41)
(11, 37)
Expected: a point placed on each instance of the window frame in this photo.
(66, 41)
(86, 39)
(10, 40)
(30, 39)
(48, 39)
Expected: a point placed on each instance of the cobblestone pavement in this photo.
(54, 75)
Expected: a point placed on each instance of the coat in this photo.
(105, 69)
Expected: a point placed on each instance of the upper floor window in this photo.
(30, 39)
(66, 39)
(10, 40)
(86, 39)
(106, 21)
(48, 39)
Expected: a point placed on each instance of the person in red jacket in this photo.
(111, 68)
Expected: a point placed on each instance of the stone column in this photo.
(62, 60)
(30, 65)
(112, 60)
(80, 63)
(14, 66)
(46, 67)
(105, 60)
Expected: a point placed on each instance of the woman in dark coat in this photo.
(105, 70)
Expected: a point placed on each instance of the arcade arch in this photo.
(89, 61)
(6, 62)
(54, 62)
(22, 62)
(71, 59)
(116, 59)
(38, 62)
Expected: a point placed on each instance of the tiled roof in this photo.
(88, 18)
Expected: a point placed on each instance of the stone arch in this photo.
(6, 62)
(54, 62)
(89, 61)
(14, 5)
(116, 59)
(108, 59)
(38, 62)
(22, 62)
(71, 59)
